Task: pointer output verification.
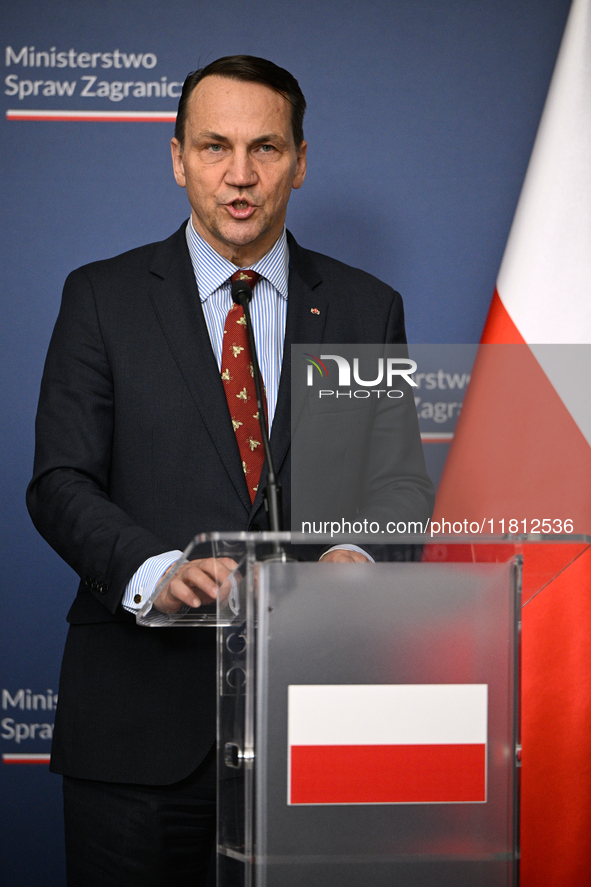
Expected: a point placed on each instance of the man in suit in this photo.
(136, 452)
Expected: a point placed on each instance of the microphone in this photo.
(242, 294)
(241, 291)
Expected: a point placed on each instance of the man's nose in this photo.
(241, 170)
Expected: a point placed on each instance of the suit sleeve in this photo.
(69, 497)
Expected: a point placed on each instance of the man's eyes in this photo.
(216, 148)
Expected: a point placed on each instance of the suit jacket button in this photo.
(255, 528)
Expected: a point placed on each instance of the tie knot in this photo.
(247, 275)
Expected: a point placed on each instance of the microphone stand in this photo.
(242, 294)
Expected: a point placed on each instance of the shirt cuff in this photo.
(348, 548)
(143, 582)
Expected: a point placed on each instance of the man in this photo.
(136, 452)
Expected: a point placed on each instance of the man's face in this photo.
(238, 164)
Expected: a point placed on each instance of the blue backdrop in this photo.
(422, 115)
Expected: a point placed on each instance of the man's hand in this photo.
(344, 556)
(195, 583)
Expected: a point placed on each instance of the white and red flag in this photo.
(387, 743)
(522, 451)
(523, 440)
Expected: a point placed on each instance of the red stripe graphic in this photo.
(93, 117)
(25, 759)
(387, 774)
(431, 437)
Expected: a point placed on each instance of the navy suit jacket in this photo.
(136, 454)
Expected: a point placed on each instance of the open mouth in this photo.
(240, 209)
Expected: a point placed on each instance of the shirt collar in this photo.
(212, 270)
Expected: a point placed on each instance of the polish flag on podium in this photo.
(387, 743)
(522, 451)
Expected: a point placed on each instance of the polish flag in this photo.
(387, 743)
(522, 450)
(522, 447)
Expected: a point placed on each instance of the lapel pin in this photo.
(314, 310)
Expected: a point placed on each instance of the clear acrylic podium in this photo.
(368, 714)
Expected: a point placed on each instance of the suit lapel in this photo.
(174, 296)
(306, 318)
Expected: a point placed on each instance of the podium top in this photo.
(543, 557)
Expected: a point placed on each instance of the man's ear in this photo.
(178, 167)
(300, 170)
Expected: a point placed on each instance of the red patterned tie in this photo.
(238, 379)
